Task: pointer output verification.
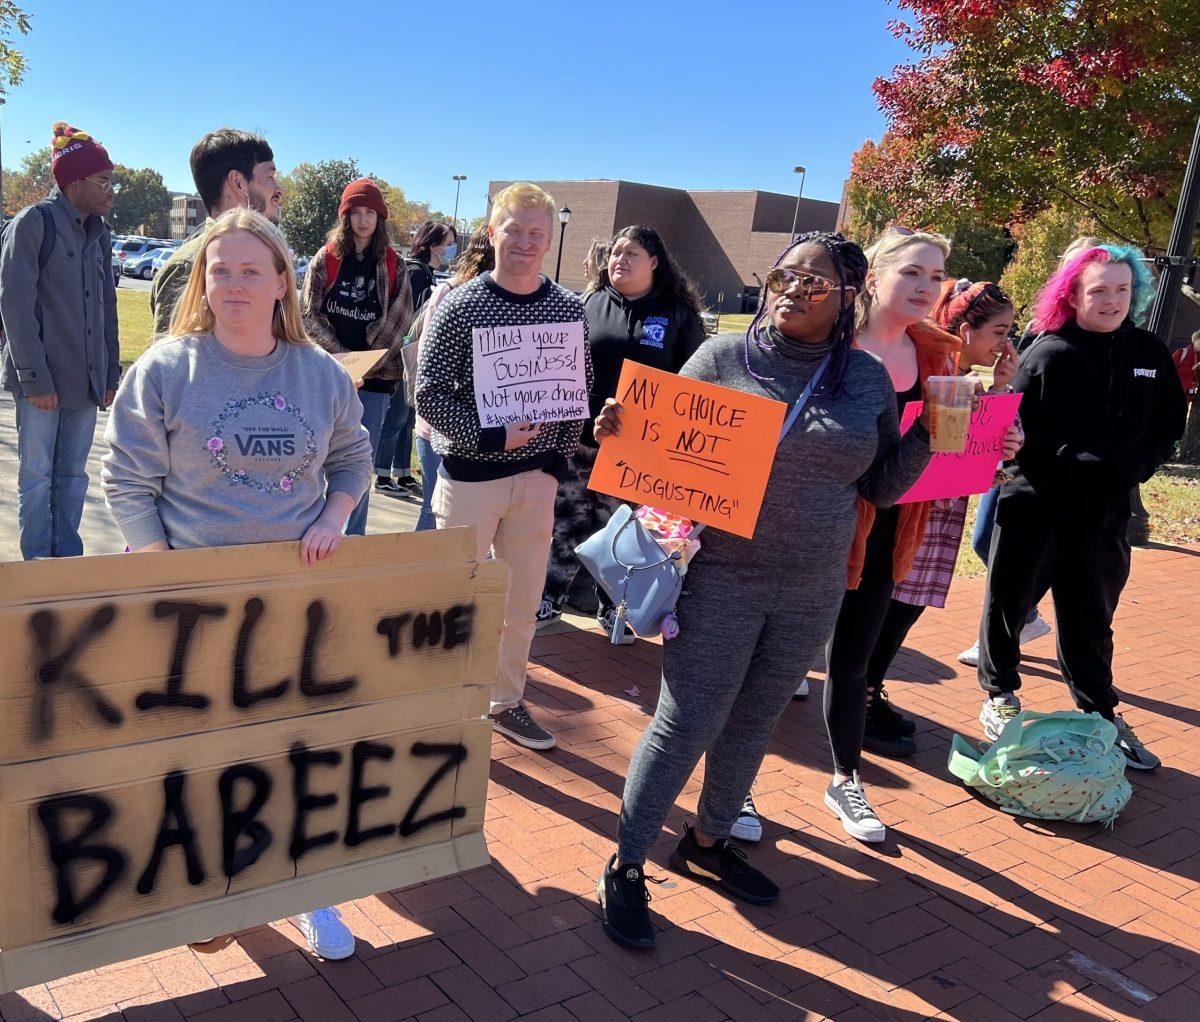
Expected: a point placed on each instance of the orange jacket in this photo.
(935, 351)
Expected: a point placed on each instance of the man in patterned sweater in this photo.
(502, 479)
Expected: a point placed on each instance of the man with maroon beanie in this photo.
(61, 355)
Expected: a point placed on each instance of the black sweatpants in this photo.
(859, 624)
(1084, 569)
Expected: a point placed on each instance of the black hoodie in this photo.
(657, 330)
(1101, 412)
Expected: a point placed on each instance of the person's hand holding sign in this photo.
(1014, 440)
(608, 422)
(518, 434)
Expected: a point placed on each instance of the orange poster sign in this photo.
(694, 448)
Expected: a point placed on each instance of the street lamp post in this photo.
(564, 218)
(458, 179)
(796, 216)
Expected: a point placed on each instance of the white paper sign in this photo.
(530, 373)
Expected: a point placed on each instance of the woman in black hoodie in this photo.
(643, 308)
(1102, 408)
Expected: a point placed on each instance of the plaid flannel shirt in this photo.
(928, 580)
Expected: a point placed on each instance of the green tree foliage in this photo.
(29, 184)
(12, 61)
(1016, 106)
(311, 195)
(1040, 241)
(142, 199)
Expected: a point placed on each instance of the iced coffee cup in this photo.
(950, 414)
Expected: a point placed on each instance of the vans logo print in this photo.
(1150, 374)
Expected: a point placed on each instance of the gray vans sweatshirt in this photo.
(209, 448)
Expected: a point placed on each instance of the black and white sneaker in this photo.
(1137, 756)
(747, 827)
(516, 725)
(548, 612)
(624, 902)
(606, 618)
(385, 484)
(409, 486)
(849, 802)
(724, 866)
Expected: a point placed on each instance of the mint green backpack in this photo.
(1049, 766)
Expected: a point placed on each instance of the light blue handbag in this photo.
(640, 578)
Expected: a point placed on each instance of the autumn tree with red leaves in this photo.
(1014, 107)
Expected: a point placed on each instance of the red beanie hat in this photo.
(75, 155)
(363, 192)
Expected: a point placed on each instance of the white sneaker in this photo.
(849, 803)
(970, 657)
(747, 827)
(801, 689)
(997, 712)
(1034, 629)
(326, 934)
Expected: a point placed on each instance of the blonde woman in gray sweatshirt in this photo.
(238, 429)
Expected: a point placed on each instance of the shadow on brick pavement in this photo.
(964, 913)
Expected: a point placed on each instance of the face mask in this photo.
(449, 253)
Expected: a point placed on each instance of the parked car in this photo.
(143, 265)
(135, 246)
(710, 321)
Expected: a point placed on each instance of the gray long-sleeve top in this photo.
(209, 448)
(841, 447)
(60, 321)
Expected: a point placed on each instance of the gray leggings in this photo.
(726, 681)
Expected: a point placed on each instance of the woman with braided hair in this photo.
(756, 612)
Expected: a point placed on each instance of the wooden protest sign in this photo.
(359, 363)
(529, 373)
(694, 448)
(972, 470)
(200, 741)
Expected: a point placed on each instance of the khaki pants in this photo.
(513, 518)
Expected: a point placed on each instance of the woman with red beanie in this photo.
(355, 298)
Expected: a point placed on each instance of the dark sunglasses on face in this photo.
(813, 289)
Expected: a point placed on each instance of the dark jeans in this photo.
(1085, 570)
(393, 455)
(981, 538)
(374, 406)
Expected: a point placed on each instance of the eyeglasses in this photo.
(813, 288)
(104, 185)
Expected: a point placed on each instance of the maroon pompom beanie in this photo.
(363, 192)
(74, 155)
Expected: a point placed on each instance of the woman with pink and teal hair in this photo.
(1102, 408)
(1057, 300)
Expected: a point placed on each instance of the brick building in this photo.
(187, 213)
(725, 240)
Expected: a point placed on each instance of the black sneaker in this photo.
(389, 486)
(623, 905)
(881, 709)
(548, 612)
(881, 740)
(724, 866)
(410, 487)
(517, 725)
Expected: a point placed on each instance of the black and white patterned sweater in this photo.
(445, 389)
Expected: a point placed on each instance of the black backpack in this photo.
(47, 246)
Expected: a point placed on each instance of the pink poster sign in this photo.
(972, 471)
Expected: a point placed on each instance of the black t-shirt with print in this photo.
(352, 305)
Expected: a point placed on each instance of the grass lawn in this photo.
(135, 323)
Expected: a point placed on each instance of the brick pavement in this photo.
(964, 913)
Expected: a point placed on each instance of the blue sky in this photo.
(703, 95)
